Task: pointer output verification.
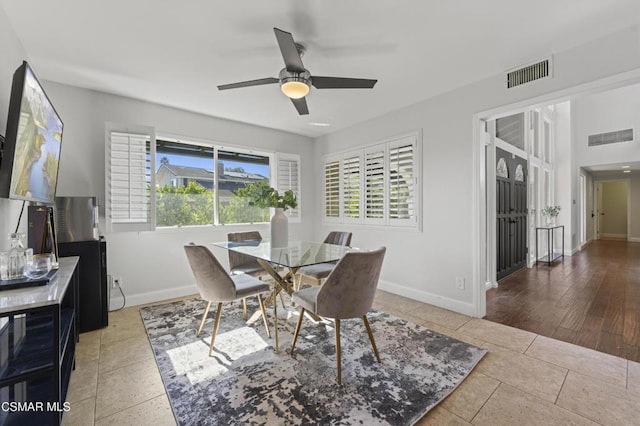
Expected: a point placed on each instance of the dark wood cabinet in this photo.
(38, 336)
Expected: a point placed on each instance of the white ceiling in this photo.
(176, 52)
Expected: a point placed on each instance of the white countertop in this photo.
(44, 295)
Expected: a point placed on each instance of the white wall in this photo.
(152, 265)
(565, 188)
(12, 54)
(604, 112)
(424, 265)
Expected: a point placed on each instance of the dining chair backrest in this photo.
(213, 282)
(338, 238)
(350, 289)
(237, 259)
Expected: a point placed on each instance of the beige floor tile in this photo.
(510, 406)
(126, 387)
(80, 413)
(124, 326)
(453, 333)
(440, 316)
(125, 315)
(531, 375)
(84, 381)
(121, 353)
(498, 334)
(602, 402)
(439, 416)
(88, 348)
(471, 395)
(633, 377)
(586, 361)
(398, 302)
(154, 412)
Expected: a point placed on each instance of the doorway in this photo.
(612, 209)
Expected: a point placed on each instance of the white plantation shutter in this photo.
(332, 189)
(129, 187)
(351, 184)
(374, 185)
(288, 177)
(402, 182)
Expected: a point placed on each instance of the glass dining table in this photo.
(282, 264)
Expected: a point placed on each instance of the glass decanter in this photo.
(17, 256)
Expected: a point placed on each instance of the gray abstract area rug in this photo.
(246, 382)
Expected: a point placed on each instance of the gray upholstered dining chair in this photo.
(241, 263)
(347, 293)
(216, 285)
(314, 274)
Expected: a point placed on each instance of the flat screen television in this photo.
(31, 154)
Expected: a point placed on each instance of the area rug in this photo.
(246, 382)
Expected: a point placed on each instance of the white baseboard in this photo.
(426, 297)
(151, 296)
(633, 239)
(489, 285)
(621, 236)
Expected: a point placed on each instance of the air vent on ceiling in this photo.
(529, 73)
(611, 137)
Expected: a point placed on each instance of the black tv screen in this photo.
(29, 168)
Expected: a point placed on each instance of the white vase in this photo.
(279, 229)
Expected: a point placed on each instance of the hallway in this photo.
(592, 299)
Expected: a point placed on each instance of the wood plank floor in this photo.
(591, 299)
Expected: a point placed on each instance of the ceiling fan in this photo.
(295, 80)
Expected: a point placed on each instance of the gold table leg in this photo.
(280, 284)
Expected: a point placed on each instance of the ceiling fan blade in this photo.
(258, 82)
(342, 83)
(290, 54)
(301, 106)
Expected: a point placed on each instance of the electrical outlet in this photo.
(460, 283)
(117, 282)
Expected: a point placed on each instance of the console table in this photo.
(551, 256)
(38, 335)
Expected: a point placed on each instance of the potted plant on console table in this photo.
(262, 195)
(550, 213)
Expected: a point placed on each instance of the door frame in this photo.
(483, 217)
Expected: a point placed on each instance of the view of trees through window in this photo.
(187, 185)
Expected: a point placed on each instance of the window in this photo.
(351, 187)
(376, 185)
(288, 178)
(175, 183)
(401, 181)
(184, 184)
(236, 170)
(332, 189)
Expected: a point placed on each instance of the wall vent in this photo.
(611, 137)
(529, 73)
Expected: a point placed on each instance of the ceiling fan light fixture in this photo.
(295, 87)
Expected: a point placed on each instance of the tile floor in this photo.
(524, 379)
